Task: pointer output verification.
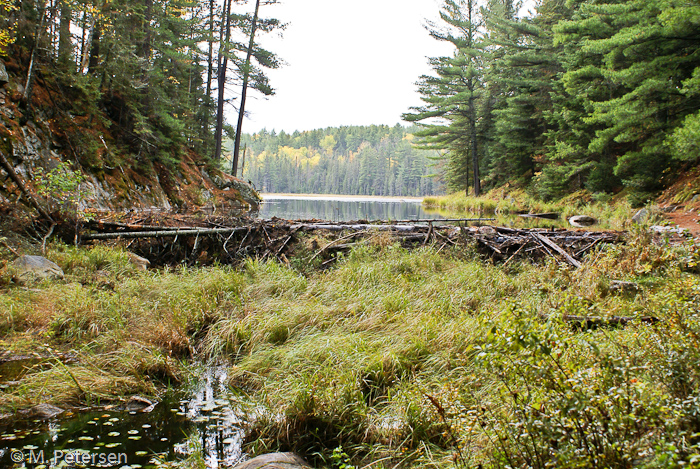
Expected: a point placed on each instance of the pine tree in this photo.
(633, 60)
(451, 96)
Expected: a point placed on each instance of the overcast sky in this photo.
(349, 62)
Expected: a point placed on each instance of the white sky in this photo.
(349, 62)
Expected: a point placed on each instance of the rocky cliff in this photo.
(38, 138)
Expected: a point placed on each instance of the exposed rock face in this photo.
(4, 77)
(275, 461)
(35, 144)
(581, 221)
(36, 267)
(226, 182)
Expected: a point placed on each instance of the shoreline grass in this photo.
(611, 213)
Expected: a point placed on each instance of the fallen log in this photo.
(594, 322)
(556, 247)
(356, 227)
(435, 220)
(106, 225)
(548, 216)
(163, 233)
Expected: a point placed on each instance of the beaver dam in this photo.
(182, 239)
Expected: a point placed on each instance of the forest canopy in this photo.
(155, 77)
(601, 95)
(355, 160)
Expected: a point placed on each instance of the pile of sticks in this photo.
(567, 246)
(178, 240)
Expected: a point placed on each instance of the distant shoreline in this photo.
(359, 198)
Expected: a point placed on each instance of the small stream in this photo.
(206, 416)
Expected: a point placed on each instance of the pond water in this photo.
(205, 417)
(343, 208)
(339, 208)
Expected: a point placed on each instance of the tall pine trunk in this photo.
(472, 107)
(210, 74)
(221, 78)
(65, 44)
(244, 91)
(27, 96)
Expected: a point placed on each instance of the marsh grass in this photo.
(129, 331)
(380, 357)
(392, 358)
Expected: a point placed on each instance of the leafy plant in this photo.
(61, 186)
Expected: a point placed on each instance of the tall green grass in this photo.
(393, 358)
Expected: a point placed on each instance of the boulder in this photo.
(581, 221)
(274, 461)
(4, 77)
(139, 404)
(640, 216)
(139, 262)
(45, 411)
(35, 267)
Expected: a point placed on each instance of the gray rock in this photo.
(623, 287)
(228, 182)
(45, 411)
(139, 404)
(581, 221)
(487, 230)
(4, 77)
(139, 262)
(36, 267)
(274, 461)
(640, 216)
(659, 229)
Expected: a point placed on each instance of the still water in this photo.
(205, 416)
(343, 208)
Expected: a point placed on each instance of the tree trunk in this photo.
(221, 78)
(26, 97)
(472, 106)
(210, 73)
(94, 59)
(244, 91)
(65, 44)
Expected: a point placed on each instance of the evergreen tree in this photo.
(633, 61)
(451, 96)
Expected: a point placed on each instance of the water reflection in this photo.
(206, 418)
(335, 208)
